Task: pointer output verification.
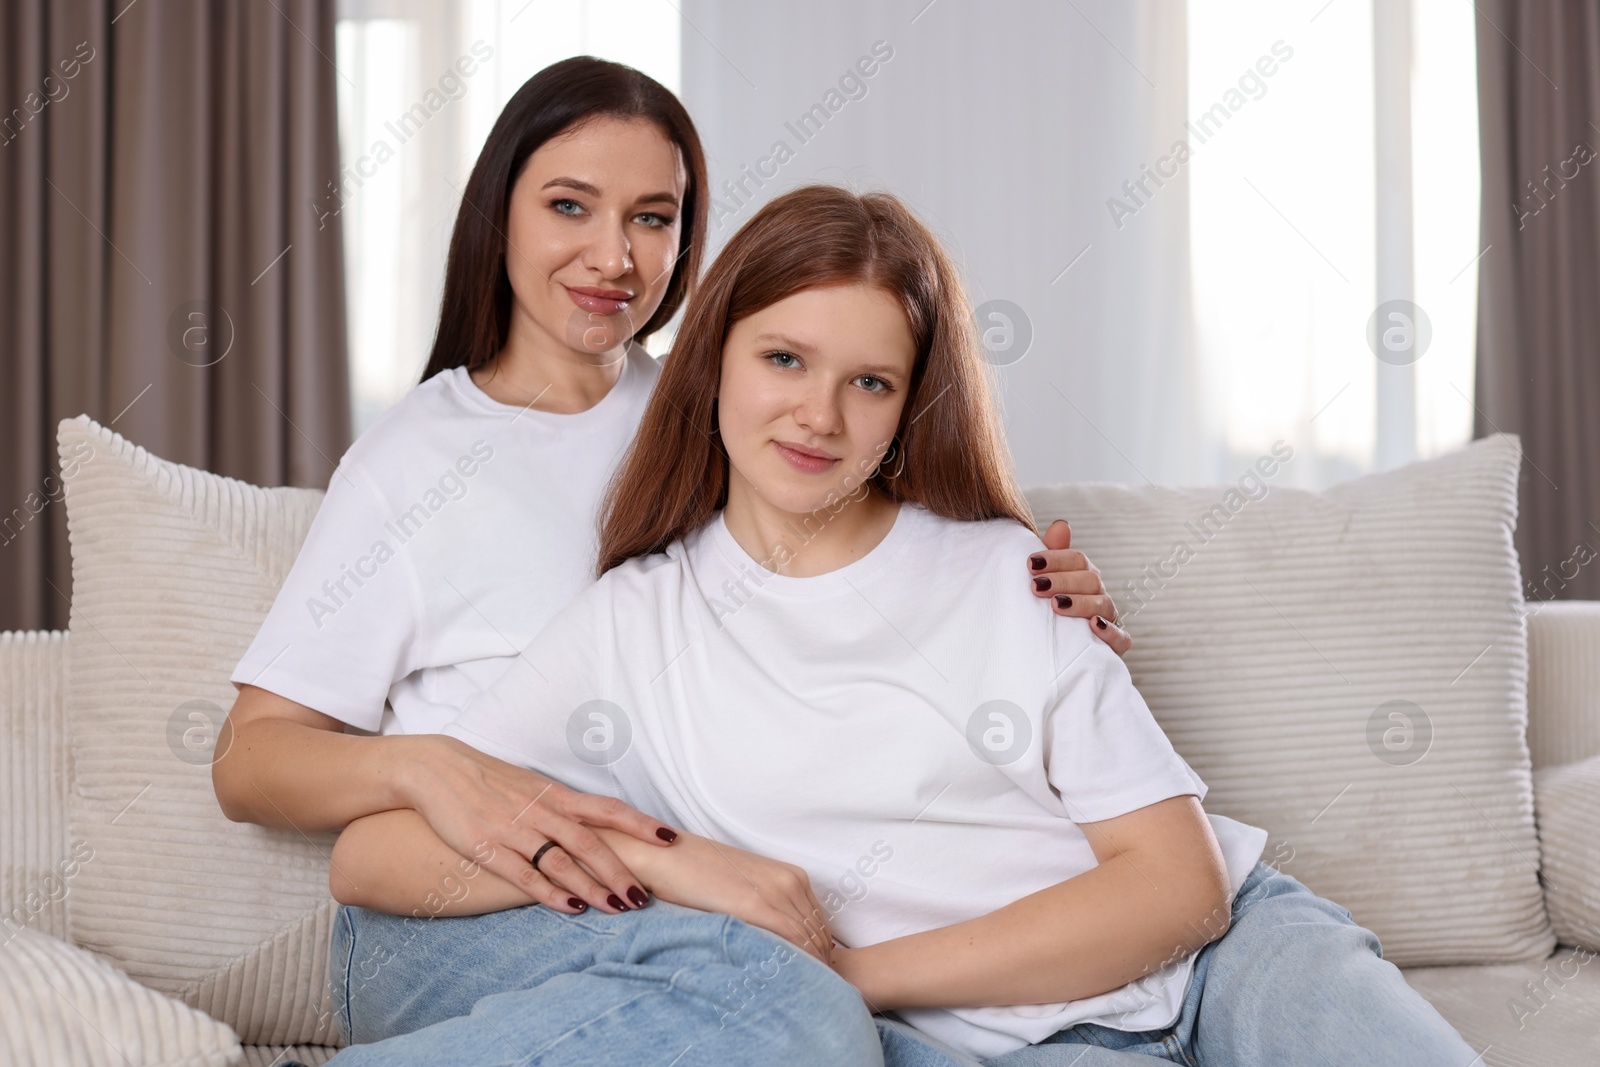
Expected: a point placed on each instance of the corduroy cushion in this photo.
(61, 1007)
(173, 570)
(1347, 670)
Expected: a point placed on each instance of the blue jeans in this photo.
(663, 985)
(1293, 981)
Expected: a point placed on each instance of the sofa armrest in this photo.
(1563, 681)
(36, 863)
(1567, 802)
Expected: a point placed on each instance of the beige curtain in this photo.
(163, 167)
(1539, 302)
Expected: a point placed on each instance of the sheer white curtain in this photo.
(421, 83)
(1008, 127)
(1286, 238)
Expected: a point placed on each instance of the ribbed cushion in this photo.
(1303, 653)
(61, 1007)
(1569, 828)
(173, 570)
(37, 865)
(1563, 681)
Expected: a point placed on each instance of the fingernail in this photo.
(1041, 584)
(636, 895)
(1063, 600)
(1098, 621)
(574, 902)
(1036, 562)
(616, 902)
(665, 834)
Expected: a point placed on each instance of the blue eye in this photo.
(654, 220)
(566, 207)
(878, 384)
(778, 359)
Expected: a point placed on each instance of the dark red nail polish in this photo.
(574, 902)
(665, 834)
(1063, 601)
(636, 895)
(1041, 585)
(616, 902)
(1098, 621)
(1036, 562)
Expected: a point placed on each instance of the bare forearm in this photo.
(1085, 936)
(285, 774)
(393, 862)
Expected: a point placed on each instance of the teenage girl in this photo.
(991, 837)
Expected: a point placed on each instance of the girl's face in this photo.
(592, 235)
(811, 395)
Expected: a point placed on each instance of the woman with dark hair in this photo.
(1010, 853)
(460, 524)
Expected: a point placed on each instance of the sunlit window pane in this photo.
(1283, 240)
(1445, 195)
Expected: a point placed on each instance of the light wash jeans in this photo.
(1294, 981)
(663, 985)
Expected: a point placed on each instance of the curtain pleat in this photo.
(1539, 289)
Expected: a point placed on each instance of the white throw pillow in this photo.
(1347, 670)
(62, 1007)
(1569, 822)
(172, 571)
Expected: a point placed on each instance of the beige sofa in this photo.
(173, 567)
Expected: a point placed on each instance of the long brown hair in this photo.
(475, 311)
(950, 455)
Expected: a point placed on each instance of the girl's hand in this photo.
(499, 815)
(700, 873)
(1065, 575)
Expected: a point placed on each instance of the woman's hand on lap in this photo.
(499, 815)
(1072, 584)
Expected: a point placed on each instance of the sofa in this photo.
(1360, 671)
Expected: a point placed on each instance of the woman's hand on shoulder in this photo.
(698, 872)
(499, 815)
(1064, 576)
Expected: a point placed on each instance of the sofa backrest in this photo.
(36, 862)
(1563, 681)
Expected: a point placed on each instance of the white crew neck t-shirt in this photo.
(924, 750)
(453, 530)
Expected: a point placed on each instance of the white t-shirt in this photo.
(913, 729)
(453, 530)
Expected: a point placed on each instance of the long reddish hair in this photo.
(950, 455)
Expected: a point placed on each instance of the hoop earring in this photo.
(894, 452)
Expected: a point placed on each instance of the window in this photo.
(1286, 254)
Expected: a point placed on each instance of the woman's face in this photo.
(592, 235)
(811, 395)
